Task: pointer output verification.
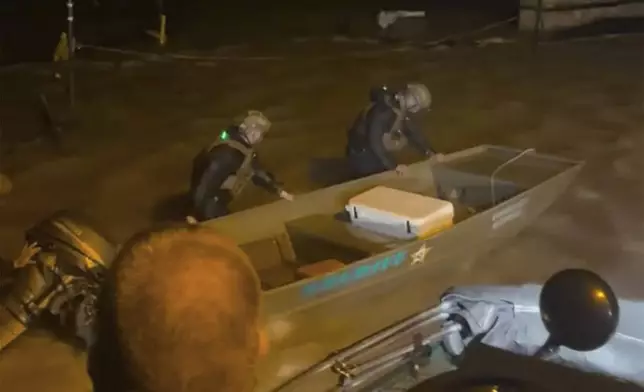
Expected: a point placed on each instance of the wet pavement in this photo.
(141, 123)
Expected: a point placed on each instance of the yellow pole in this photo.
(163, 38)
(160, 35)
(61, 52)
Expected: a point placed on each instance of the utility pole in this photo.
(538, 24)
(5, 183)
(71, 47)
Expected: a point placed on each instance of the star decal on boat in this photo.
(418, 257)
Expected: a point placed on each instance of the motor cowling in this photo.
(75, 242)
(63, 277)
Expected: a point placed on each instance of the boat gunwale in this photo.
(416, 170)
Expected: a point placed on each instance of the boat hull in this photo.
(308, 319)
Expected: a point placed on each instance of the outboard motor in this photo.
(62, 278)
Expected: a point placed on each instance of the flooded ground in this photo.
(140, 122)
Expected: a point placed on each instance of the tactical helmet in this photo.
(255, 121)
(417, 97)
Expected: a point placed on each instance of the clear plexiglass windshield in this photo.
(503, 317)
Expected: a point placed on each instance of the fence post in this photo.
(538, 24)
(71, 47)
(5, 183)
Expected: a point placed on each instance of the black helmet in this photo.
(381, 94)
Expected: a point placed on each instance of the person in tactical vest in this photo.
(220, 172)
(384, 126)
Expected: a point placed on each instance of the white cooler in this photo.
(400, 214)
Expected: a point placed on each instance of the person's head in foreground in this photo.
(178, 313)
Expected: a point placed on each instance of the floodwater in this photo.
(139, 123)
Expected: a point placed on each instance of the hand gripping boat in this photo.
(329, 258)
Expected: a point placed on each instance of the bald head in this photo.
(185, 303)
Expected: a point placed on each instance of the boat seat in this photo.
(283, 241)
(275, 277)
(270, 252)
(328, 228)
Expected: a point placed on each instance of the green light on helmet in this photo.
(224, 135)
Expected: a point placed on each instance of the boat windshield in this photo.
(415, 341)
(480, 332)
(428, 367)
